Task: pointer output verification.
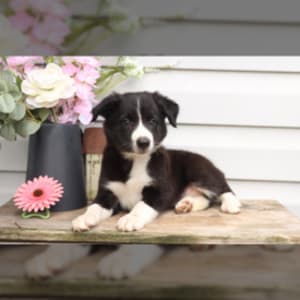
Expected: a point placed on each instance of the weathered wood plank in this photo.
(260, 222)
(235, 272)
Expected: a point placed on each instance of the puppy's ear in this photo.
(106, 106)
(168, 107)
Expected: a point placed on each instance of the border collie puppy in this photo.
(140, 176)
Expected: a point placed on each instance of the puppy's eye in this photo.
(153, 122)
(125, 121)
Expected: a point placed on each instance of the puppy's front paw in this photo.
(84, 223)
(92, 217)
(37, 268)
(230, 204)
(116, 266)
(55, 259)
(128, 261)
(130, 222)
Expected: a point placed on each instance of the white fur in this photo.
(56, 258)
(130, 192)
(141, 131)
(191, 204)
(140, 215)
(128, 261)
(92, 217)
(229, 203)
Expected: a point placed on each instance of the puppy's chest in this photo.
(130, 192)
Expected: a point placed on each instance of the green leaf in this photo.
(19, 82)
(3, 86)
(27, 127)
(19, 112)
(7, 76)
(8, 132)
(43, 114)
(7, 103)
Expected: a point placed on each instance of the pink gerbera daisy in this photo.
(38, 194)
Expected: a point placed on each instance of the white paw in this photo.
(84, 223)
(37, 268)
(130, 222)
(184, 206)
(230, 204)
(128, 261)
(189, 204)
(54, 259)
(92, 217)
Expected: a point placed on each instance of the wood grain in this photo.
(235, 272)
(260, 222)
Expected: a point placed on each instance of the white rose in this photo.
(131, 67)
(12, 41)
(45, 87)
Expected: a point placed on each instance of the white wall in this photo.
(242, 112)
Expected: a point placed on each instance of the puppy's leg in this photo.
(230, 203)
(55, 259)
(128, 261)
(193, 199)
(139, 216)
(102, 209)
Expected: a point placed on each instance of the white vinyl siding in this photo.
(241, 112)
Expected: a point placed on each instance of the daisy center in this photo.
(38, 193)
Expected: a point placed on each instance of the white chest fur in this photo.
(130, 192)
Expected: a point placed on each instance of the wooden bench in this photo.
(234, 272)
(260, 222)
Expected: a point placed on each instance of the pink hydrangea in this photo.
(44, 22)
(51, 30)
(85, 71)
(22, 64)
(83, 60)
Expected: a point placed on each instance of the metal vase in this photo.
(55, 150)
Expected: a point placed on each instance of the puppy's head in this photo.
(135, 122)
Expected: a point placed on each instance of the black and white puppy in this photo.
(140, 176)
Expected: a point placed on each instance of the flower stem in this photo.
(31, 115)
(54, 114)
(42, 214)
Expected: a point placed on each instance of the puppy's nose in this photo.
(143, 143)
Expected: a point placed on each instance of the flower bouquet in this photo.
(34, 90)
(52, 27)
(49, 99)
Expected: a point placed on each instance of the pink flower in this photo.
(70, 70)
(26, 63)
(14, 61)
(83, 60)
(53, 7)
(88, 74)
(22, 21)
(38, 194)
(51, 30)
(86, 118)
(44, 22)
(84, 91)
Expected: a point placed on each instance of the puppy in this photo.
(140, 176)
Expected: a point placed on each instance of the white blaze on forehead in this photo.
(141, 130)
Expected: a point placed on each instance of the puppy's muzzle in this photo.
(143, 144)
